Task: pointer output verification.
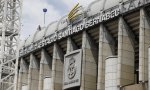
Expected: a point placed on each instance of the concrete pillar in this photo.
(111, 73)
(33, 76)
(23, 75)
(125, 70)
(45, 70)
(148, 69)
(144, 42)
(89, 63)
(106, 48)
(70, 45)
(57, 68)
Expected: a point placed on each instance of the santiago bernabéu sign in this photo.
(85, 23)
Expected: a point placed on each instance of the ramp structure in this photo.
(10, 25)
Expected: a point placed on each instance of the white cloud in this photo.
(33, 15)
(71, 3)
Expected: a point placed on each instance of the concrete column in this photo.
(57, 68)
(23, 75)
(106, 48)
(89, 63)
(125, 70)
(111, 73)
(144, 42)
(149, 68)
(20, 81)
(33, 76)
(45, 69)
(70, 45)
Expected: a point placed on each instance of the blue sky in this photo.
(33, 15)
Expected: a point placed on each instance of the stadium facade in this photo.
(104, 47)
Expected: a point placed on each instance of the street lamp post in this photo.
(44, 10)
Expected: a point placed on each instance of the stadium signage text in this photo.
(84, 24)
(71, 29)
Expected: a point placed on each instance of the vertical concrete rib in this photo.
(106, 46)
(89, 63)
(57, 68)
(33, 76)
(125, 70)
(45, 70)
(23, 74)
(70, 45)
(144, 42)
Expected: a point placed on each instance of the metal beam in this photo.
(10, 26)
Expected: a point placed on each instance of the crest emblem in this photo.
(71, 68)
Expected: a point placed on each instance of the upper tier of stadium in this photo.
(92, 9)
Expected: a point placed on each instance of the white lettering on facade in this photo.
(86, 23)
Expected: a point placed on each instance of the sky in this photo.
(32, 14)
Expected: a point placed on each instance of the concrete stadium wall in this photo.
(127, 37)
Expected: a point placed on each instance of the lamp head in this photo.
(44, 10)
